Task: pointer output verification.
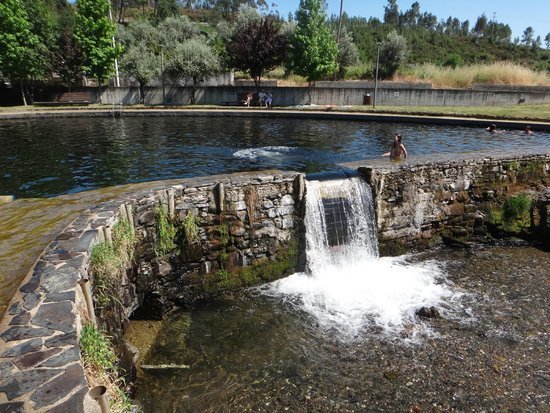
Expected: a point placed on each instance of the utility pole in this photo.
(117, 78)
(376, 78)
(340, 22)
(162, 76)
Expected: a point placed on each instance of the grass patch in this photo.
(514, 215)
(166, 232)
(101, 369)
(191, 227)
(109, 261)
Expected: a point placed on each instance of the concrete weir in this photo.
(248, 229)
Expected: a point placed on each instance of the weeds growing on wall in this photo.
(515, 214)
(166, 232)
(101, 368)
(109, 261)
(191, 227)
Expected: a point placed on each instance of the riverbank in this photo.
(521, 113)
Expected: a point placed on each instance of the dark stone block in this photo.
(61, 340)
(32, 359)
(57, 316)
(67, 235)
(14, 308)
(22, 319)
(68, 356)
(60, 280)
(26, 381)
(61, 386)
(5, 368)
(57, 297)
(76, 262)
(17, 407)
(31, 300)
(33, 283)
(29, 346)
(75, 404)
(23, 333)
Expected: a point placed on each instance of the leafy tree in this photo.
(69, 59)
(391, 13)
(348, 55)
(257, 48)
(165, 9)
(393, 53)
(528, 35)
(141, 63)
(192, 59)
(94, 32)
(537, 42)
(175, 30)
(18, 45)
(410, 18)
(314, 49)
(547, 40)
(480, 26)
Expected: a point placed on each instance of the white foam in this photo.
(265, 152)
(352, 297)
(347, 287)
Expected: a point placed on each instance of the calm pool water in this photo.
(49, 157)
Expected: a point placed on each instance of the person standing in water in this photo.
(397, 148)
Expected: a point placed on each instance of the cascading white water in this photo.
(347, 287)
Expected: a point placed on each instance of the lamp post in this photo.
(162, 76)
(376, 78)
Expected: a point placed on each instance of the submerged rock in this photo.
(425, 312)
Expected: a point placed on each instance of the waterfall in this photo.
(346, 286)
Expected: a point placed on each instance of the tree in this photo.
(393, 53)
(528, 35)
(547, 40)
(391, 13)
(18, 45)
(348, 55)
(192, 59)
(480, 26)
(165, 9)
(257, 48)
(68, 59)
(94, 32)
(141, 63)
(314, 48)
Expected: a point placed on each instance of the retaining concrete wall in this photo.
(341, 96)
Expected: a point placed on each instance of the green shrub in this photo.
(96, 349)
(191, 227)
(454, 60)
(516, 212)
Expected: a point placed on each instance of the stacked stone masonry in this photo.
(40, 363)
(415, 202)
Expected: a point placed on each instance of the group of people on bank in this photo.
(265, 99)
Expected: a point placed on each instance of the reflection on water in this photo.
(48, 157)
(252, 352)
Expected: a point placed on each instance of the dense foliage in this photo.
(45, 40)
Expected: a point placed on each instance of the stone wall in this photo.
(40, 363)
(415, 202)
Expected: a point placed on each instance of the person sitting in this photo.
(269, 100)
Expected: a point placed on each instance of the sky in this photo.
(518, 14)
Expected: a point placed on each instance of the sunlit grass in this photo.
(502, 73)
